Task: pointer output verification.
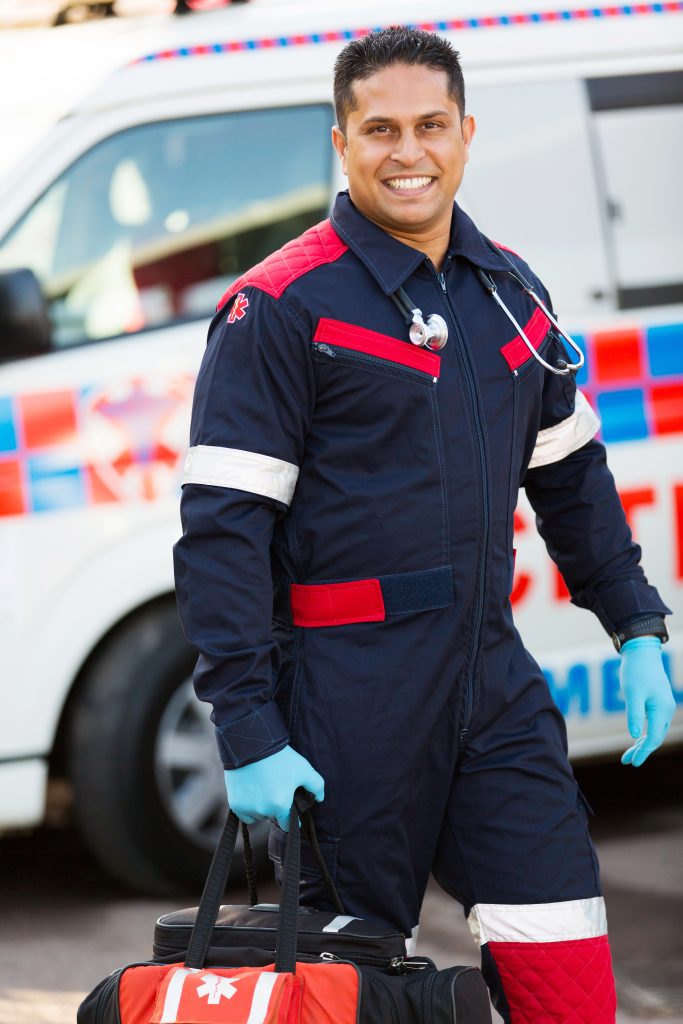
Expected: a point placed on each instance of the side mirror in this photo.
(24, 322)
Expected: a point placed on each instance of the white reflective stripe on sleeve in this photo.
(245, 471)
(262, 993)
(565, 437)
(337, 923)
(538, 922)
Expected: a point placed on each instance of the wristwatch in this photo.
(653, 625)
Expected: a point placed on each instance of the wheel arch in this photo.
(58, 755)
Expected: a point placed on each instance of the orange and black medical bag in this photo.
(264, 964)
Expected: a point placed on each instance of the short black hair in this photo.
(398, 44)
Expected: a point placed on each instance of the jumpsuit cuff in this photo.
(259, 734)
(629, 599)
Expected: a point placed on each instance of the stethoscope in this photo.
(432, 333)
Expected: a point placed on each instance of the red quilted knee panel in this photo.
(557, 982)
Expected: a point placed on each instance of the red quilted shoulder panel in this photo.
(320, 244)
(507, 249)
(557, 982)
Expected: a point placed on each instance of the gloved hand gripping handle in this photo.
(288, 917)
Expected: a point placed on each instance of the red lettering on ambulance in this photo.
(631, 500)
(561, 590)
(522, 581)
(678, 529)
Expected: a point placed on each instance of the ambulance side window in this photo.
(150, 226)
(530, 184)
(638, 123)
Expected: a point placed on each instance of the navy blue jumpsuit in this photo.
(345, 571)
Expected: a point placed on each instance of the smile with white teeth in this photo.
(408, 184)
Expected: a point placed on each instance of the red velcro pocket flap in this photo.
(220, 995)
(516, 351)
(383, 346)
(336, 604)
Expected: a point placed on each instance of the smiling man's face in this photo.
(405, 150)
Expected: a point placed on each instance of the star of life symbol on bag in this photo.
(239, 308)
(215, 988)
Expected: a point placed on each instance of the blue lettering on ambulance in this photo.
(572, 695)
(572, 692)
(612, 699)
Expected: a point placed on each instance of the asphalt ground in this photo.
(64, 924)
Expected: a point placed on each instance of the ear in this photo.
(339, 143)
(469, 127)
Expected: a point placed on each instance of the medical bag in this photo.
(264, 964)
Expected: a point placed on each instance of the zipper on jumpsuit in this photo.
(469, 376)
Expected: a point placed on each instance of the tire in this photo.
(148, 784)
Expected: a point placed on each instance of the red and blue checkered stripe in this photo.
(449, 25)
(633, 378)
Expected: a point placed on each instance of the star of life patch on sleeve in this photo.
(239, 308)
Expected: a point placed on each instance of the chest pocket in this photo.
(516, 352)
(379, 353)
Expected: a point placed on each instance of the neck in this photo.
(433, 244)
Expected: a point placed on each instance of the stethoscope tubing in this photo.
(560, 369)
(433, 332)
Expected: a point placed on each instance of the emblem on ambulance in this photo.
(136, 437)
(239, 308)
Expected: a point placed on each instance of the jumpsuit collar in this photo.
(392, 262)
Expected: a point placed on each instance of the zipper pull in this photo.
(442, 281)
(325, 349)
(415, 965)
(328, 956)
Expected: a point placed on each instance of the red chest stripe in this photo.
(360, 339)
(515, 352)
(319, 245)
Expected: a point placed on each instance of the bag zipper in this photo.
(353, 355)
(397, 964)
(395, 1019)
(105, 994)
(427, 998)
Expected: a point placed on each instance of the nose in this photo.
(408, 149)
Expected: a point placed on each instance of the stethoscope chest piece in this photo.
(430, 333)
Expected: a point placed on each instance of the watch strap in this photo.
(653, 625)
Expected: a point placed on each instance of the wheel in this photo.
(148, 783)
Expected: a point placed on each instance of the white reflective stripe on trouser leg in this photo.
(567, 436)
(538, 922)
(245, 471)
(411, 941)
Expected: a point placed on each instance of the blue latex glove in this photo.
(648, 696)
(265, 789)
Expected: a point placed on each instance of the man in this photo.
(375, 482)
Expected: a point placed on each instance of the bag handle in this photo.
(288, 916)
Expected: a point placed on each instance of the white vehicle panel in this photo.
(67, 576)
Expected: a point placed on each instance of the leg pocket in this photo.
(286, 693)
(312, 889)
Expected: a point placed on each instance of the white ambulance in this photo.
(117, 236)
